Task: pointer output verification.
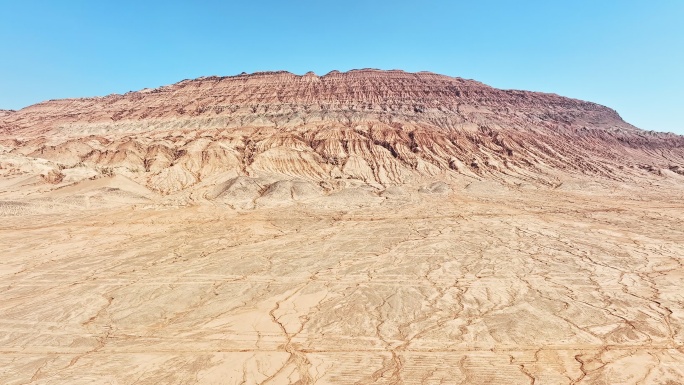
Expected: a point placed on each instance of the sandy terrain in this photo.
(338, 232)
(485, 285)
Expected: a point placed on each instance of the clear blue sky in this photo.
(628, 55)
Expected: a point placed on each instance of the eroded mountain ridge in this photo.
(381, 128)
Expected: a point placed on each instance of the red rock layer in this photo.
(441, 100)
(382, 127)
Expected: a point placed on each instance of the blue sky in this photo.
(628, 55)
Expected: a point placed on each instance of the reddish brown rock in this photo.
(381, 127)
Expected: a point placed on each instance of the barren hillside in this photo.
(382, 128)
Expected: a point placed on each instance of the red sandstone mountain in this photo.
(379, 127)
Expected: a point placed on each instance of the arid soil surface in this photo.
(485, 285)
(366, 227)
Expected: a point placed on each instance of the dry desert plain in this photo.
(484, 285)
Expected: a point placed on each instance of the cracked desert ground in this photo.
(481, 284)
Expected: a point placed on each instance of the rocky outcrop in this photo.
(381, 127)
(53, 176)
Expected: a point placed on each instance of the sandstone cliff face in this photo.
(380, 127)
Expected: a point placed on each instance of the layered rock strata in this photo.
(380, 127)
